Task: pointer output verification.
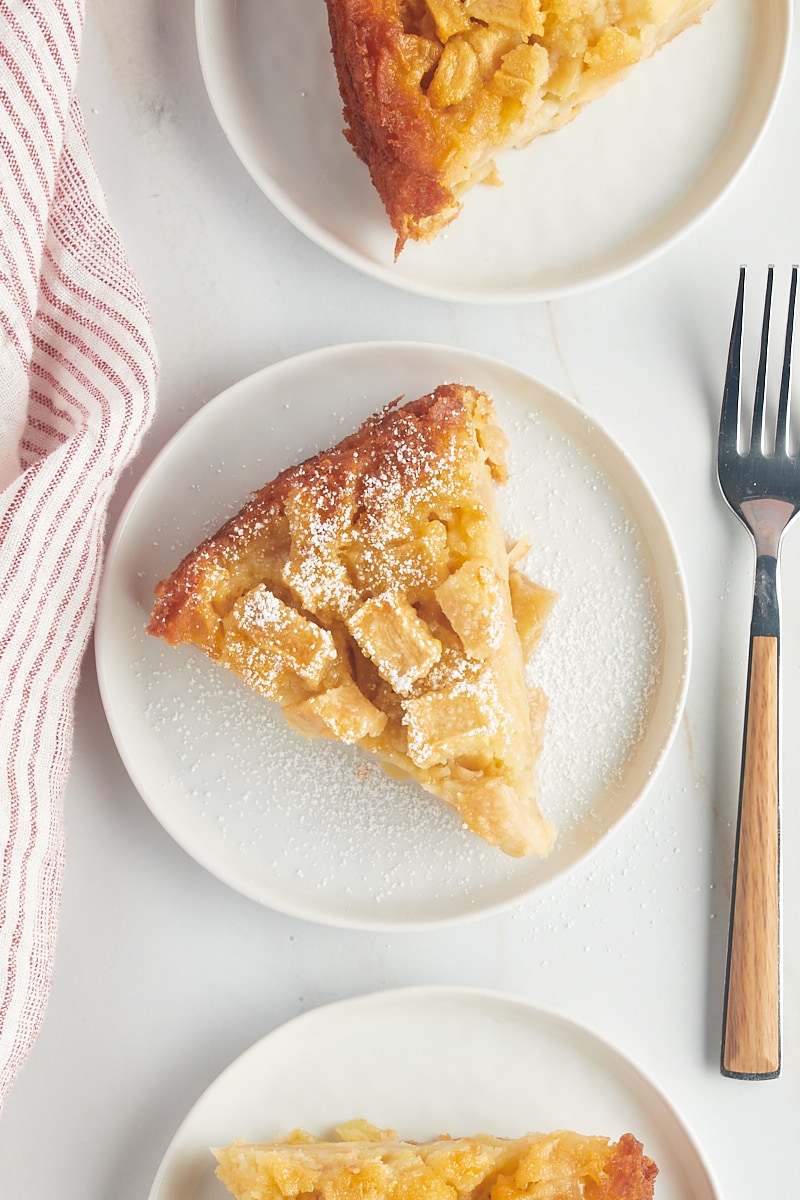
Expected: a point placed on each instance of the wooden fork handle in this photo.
(751, 1040)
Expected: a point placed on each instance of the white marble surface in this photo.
(162, 974)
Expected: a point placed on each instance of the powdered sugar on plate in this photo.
(599, 658)
(313, 828)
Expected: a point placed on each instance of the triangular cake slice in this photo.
(433, 90)
(370, 1164)
(370, 592)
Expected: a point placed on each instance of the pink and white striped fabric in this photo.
(77, 387)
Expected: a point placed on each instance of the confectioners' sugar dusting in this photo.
(383, 494)
(420, 650)
(599, 658)
(306, 807)
(494, 616)
(312, 816)
(481, 718)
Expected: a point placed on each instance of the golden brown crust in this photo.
(433, 89)
(385, 113)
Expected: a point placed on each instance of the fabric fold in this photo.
(78, 376)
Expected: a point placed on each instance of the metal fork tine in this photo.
(729, 416)
(782, 427)
(757, 434)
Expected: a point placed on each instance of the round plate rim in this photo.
(329, 355)
(339, 249)
(495, 998)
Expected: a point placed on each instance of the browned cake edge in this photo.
(630, 1174)
(428, 420)
(384, 121)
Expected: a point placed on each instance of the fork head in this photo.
(754, 473)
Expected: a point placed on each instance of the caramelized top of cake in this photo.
(434, 89)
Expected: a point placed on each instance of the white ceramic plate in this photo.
(525, 1069)
(636, 170)
(312, 828)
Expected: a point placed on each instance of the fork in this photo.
(762, 487)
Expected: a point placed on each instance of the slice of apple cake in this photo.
(434, 89)
(372, 1164)
(370, 592)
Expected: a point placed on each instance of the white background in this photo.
(162, 974)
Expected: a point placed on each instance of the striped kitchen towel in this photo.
(77, 388)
